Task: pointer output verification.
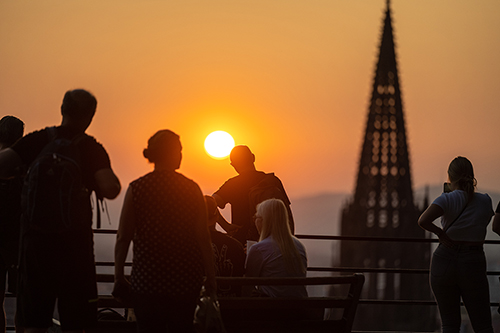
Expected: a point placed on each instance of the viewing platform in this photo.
(317, 275)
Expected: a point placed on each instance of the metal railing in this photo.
(349, 269)
(357, 269)
(385, 270)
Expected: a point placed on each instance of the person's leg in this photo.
(150, 312)
(3, 322)
(77, 293)
(445, 289)
(475, 290)
(181, 313)
(3, 280)
(37, 285)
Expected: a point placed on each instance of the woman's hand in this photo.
(444, 239)
(122, 290)
(211, 287)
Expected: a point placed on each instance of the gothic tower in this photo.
(383, 206)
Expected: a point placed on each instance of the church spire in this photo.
(384, 178)
(383, 204)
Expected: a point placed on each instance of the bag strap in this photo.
(52, 131)
(456, 218)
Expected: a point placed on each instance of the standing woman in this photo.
(278, 253)
(458, 267)
(164, 215)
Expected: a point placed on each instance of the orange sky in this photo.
(289, 78)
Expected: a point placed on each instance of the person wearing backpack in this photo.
(11, 130)
(245, 191)
(65, 166)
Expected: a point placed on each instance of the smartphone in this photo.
(446, 187)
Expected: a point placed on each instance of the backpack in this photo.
(54, 197)
(267, 188)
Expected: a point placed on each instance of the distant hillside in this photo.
(313, 215)
(318, 214)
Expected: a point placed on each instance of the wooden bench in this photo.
(266, 314)
(300, 314)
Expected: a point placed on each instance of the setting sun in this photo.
(218, 144)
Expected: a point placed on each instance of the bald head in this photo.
(242, 159)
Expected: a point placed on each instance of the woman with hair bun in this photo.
(164, 215)
(458, 266)
(278, 253)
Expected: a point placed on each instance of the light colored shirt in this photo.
(471, 224)
(264, 259)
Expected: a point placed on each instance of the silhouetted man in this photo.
(237, 192)
(11, 130)
(57, 259)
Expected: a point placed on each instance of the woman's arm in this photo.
(496, 224)
(426, 222)
(203, 239)
(124, 237)
(254, 262)
(496, 220)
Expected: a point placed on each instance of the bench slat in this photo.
(282, 303)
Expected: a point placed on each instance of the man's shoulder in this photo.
(38, 136)
(30, 145)
(90, 142)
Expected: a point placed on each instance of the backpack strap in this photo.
(52, 131)
(456, 218)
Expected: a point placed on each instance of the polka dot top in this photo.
(167, 258)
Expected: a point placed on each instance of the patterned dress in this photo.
(167, 259)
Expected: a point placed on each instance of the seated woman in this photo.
(278, 253)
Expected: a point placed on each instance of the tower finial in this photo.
(388, 4)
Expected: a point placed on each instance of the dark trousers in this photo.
(158, 313)
(461, 272)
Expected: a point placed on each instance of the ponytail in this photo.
(461, 172)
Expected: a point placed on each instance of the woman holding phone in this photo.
(458, 267)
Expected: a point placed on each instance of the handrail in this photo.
(109, 277)
(343, 238)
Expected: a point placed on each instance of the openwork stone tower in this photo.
(383, 205)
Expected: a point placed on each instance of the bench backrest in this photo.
(252, 305)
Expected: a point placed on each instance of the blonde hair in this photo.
(275, 223)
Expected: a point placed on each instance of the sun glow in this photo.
(218, 144)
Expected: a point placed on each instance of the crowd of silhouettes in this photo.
(46, 237)
(46, 240)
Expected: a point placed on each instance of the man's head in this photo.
(78, 108)
(11, 130)
(242, 159)
(164, 148)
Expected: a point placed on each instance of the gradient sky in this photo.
(292, 79)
